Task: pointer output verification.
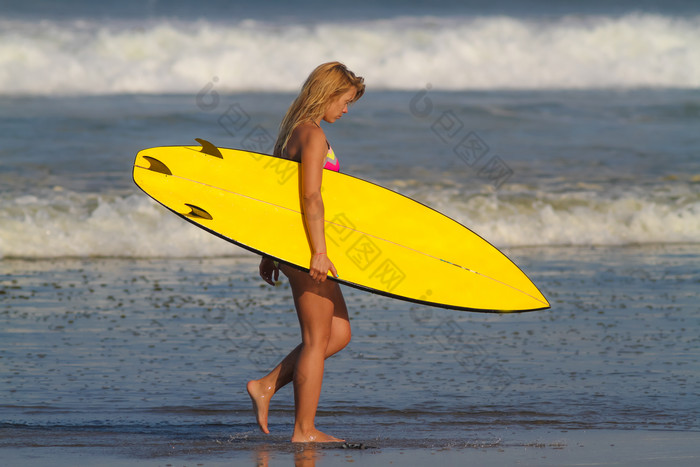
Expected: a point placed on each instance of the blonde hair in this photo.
(325, 83)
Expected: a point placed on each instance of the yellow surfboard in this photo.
(378, 240)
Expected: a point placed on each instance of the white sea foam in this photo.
(61, 224)
(71, 224)
(169, 56)
(582, 219)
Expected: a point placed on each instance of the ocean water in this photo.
(559, 133)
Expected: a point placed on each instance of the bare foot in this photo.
(260, 395)
(313, 436)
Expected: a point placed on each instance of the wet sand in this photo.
(540, 448)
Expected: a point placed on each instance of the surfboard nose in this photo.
(542, 301)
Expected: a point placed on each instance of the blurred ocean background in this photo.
(565, 133)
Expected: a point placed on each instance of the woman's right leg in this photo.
(308, 296)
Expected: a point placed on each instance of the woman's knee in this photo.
(341, 335)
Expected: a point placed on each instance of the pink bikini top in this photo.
(332, 162)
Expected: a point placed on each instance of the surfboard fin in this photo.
(208, 148)
(197, 212)
(157, 166)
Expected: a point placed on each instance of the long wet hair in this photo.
(325, 83)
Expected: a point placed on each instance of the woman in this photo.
(323, 316)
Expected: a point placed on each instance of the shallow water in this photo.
(160, 349)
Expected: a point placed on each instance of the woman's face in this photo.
(339, 106)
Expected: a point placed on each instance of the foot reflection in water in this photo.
(305, 455)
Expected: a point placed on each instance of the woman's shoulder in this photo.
(309, 130)
(309, 134)
(306, 136)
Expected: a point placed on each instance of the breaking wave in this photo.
(85, 57)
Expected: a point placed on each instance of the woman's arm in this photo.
(313, 153)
